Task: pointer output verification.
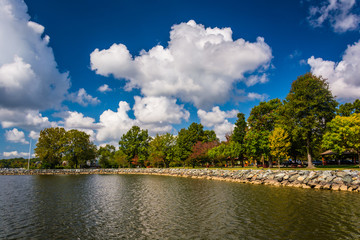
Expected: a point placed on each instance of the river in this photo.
(161, 207)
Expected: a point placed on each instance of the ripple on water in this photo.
(159, 207)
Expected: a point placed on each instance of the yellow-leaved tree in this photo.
(279, 144)
(343, 134)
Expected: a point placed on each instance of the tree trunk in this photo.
(262, 161)
(270, 162)
(310, 164)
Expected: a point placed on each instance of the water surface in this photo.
(160, 207)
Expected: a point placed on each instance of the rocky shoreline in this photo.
(345, 180)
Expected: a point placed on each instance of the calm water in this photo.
(159, 207)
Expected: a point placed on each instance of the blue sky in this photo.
(104, 66)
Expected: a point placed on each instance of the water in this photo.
(159, 207)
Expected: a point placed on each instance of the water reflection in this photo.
(158, 207)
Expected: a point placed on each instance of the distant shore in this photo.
(344, 180)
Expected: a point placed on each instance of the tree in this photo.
(261, 123)
(343, 134)
(162, 150)
(225, 151)
(78, 149)
(187, 138)
(308, 107)
(106, 156)
(135, 144)
(199, 152)
(49, 147)
(238, 136)
(279, 143)
(346, 109)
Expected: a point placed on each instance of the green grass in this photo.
(318, 168)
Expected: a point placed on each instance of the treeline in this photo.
(306, 123)
(19, 163)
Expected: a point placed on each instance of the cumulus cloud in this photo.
(34, 135)
(114, 124)
(159, 110)
(83, 98)
(15, 154)
(104, 88)
(199, 65)
(343, 77)
(256, 96)
(29, 77)
(339, 13)
(16, 136)
(28, 119)
(217, 119)
(157, 114)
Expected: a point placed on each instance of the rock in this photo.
(343, 188)
(335, 187)
(301, 178)
(279, 176)
(327, 186)
(338, 180)
(347, 179)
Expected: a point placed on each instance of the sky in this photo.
(105, 66)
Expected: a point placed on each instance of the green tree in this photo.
(346, 109)
(49, 147)
(261, 123)
(120, 159)
(135, 144)
(238, 136)
(78, 149)
(106, 156)
(162, 150)
(279, 143)
(343, 134)
(187, 138)
(308, 107)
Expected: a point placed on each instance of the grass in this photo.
(318, 168)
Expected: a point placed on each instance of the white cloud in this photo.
(339, 13)
(256, 96)
(200, 65)
(16, 136)
(215, 116)
(29, 78)
(218, 120)
(343, 77)
(34, 135)
(254, 79)
(76, 120)
(83, 98)
(104, 88)
(159, 110)
(28, 119)
(114, 124)
(15, 154)
(224, 128)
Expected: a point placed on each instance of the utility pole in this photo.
(29, 155)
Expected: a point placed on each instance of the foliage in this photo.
(187, 138)
(226, 151)
(279, 143)
(50, 145)
(135, 144)
(308, 107)
(19, 163)
(346, 109)
(78, 149)
(238, 137)
(162, 150)
(199, 152)
(106, 156)
(343, 134)
(56, 145)
(261, 122)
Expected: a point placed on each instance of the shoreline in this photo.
(338, 180)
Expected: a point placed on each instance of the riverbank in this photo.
(344, 180)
